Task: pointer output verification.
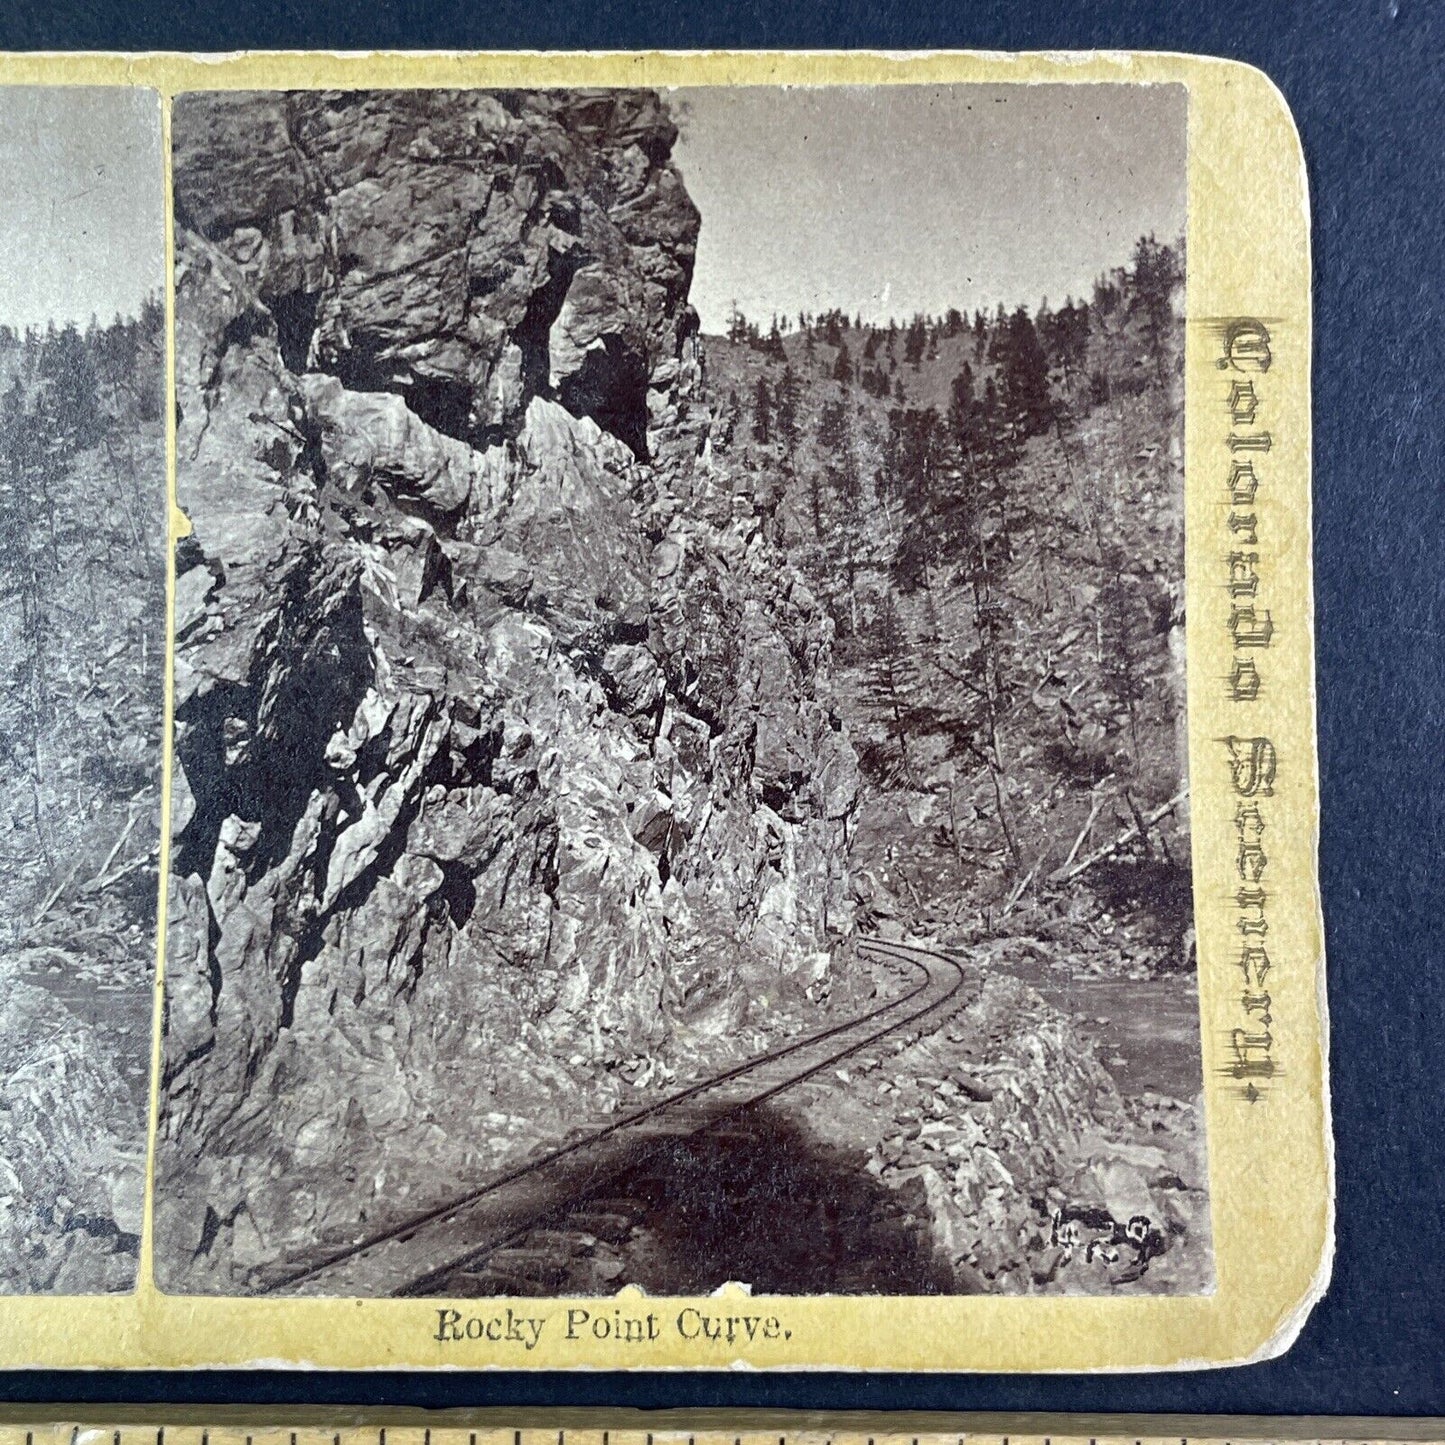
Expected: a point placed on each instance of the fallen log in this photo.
(1134, 830)
(54, 894)
(118, 845)
(1096, 803)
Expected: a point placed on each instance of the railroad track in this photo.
(468, 1238)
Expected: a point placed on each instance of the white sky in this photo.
(81, 202)
(881, 200)
(887, 200)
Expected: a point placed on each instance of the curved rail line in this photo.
(412, 1257)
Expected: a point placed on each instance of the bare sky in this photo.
(887, 200)
(81, 202)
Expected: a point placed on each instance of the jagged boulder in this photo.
(462, 249)
(368, 437)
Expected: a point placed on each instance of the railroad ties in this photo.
(552, 1221)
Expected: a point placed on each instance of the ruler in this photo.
(61, 1425)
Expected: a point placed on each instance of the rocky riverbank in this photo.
(1020, 1160)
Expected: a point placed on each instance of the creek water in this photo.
(1145, 1032)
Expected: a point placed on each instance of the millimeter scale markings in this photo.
(351, 1428)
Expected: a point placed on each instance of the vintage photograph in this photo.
(680, 767)
(83, 658)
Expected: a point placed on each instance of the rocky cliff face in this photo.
(505, 759)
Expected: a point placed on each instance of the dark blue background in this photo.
(1366, 80)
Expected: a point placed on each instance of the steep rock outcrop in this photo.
(461, 249)
(504, 747)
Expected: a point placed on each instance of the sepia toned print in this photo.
(729, 674)
(83, 659)
(680, 750)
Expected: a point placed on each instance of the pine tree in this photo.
(915, 342)
(1106, 296)
(893, 671)
(69, 396)
(762, 412)
(914, 453)
(1025, 373)
(1153, 277)
(785, 411)
(29, 559)
(961, 407)
(847, 486)
(1064, 336)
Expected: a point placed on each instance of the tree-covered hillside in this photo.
(991, 508)
(82, 657)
